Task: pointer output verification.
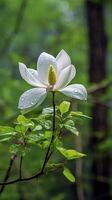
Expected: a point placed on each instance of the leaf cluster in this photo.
(38, 131)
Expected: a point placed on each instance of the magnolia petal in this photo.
(29, 75)
(76, 91)
(32, 97)
(43, 64)
(63, 60)
(65, 76)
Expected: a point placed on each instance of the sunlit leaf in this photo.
(47, 134)
(64, 107)
(6, 133)
(37, 128)
(47, 110)
(67, 173)
(79, 114)
(21, 119)
(21, 129)
(5, 139)
(69, 125)
(47, 124)
(70, 154)
(54, 166)
(6, 130)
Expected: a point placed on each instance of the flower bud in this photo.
(52, 77)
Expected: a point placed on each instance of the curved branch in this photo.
(8, 173)
(47, 156)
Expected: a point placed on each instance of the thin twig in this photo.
(20, 167)
(100, 86)
(47, 156)
(8, 172)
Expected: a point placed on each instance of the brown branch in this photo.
(46, 159)
(8, 172)
(37, 175)
(20, 167)
(100, 86)
(18, 22)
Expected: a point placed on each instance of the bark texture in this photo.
(97, 73)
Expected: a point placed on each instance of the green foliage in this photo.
(38, 131)
(70, 126)
(23, 124)
(70, 154)
(6, 130)
(67, 173)
(6, 133)
(54, 166)
(48, 110)
(64, 107)
(18, 149)
(64, 19)
(78, 114)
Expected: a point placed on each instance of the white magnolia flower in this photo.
(52, 74)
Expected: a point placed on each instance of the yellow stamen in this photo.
(52, 77)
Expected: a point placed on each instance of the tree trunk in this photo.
(97, 73)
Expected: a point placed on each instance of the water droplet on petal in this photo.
(75, 90)
(22, 99)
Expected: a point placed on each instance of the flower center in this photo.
(52, 77)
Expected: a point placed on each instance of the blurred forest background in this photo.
(84, 29)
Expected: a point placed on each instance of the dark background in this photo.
(84, 29)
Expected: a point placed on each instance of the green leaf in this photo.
(54, 166)
(18, 149)
(6, 130)
(47, 124)
(5, 139)
(37, 128)
(79, 114)
(69, 125)
(48, 110)
(44, 144)
(67, 173)
(47, 134)
(64, 107)
(6, 133)
(21, 129)
(70, 154)
(14, 148)
(32, 139)
(21, 119)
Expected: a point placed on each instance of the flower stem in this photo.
(48, 154)
(54, 110)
